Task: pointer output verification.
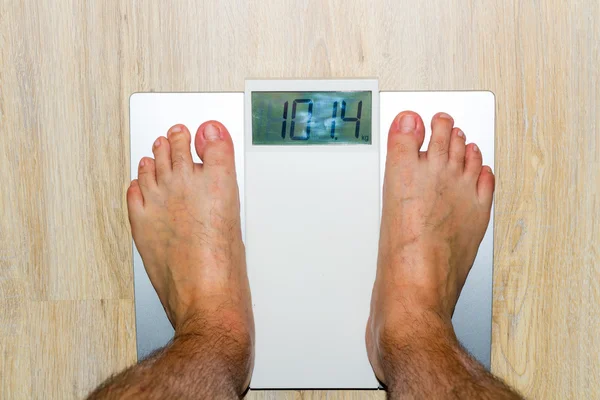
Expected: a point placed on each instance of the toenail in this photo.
(175, 129)
(444, 115)
(157, 143)
(212, 132)
(142, 162)
(407, 123)
(460, 134)
(475, 148)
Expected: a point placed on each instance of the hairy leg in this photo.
(436, 208)
(185, 220)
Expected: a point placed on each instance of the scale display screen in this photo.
(307, 118)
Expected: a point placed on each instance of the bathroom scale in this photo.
(310, 158)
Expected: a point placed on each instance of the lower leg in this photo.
(204, 361)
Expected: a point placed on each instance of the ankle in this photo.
(407, 341)
(220, 322)
(225, 341)
(417, 328)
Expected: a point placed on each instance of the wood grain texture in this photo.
(67, 69)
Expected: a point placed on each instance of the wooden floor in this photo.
(68, 67)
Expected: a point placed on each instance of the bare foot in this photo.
(436, 208)
(185, 220)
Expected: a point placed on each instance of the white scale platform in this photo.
(317, 340)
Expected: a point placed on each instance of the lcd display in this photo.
(306, 118)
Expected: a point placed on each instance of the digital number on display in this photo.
(304, 118)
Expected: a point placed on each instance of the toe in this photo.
(162, 157)
(439, 145)
(485, 185)
(146, 174)
(135, 199)
(456, 155)
(179, 142)
(405, 138)
(214, 145)
(473, 161)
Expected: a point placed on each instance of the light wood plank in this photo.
(76, 343)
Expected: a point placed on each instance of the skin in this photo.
(185, 221)
(436, 208)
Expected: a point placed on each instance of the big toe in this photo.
(405, 138)
(214, 146)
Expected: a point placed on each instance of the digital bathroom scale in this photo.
(310, 158)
